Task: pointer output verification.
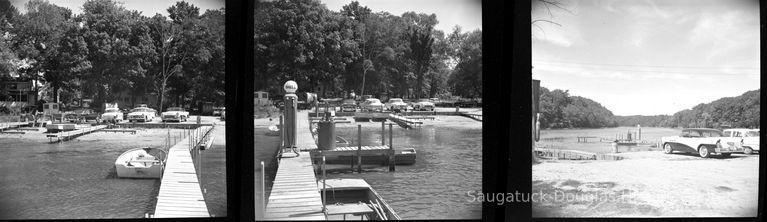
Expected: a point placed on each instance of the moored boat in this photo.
(142, 162)
(354, 199)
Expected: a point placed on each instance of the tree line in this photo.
(560, 110)
(108, 49)
(729, 112)
(354, 49)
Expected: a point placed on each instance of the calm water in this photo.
(448, 165)
(568, 138)
(76, 179)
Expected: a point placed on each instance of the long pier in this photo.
(294, 194)
(68, 135)
(180, 193)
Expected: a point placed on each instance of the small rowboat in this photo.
(143, 162)
(354, 199)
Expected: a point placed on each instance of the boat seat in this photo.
(354, 209)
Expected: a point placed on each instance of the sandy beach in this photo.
(649, 184)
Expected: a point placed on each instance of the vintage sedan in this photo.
(82, 114)
(396, 104)
(423, 104)
(750, 138)
(175, 114)
(142, 114)
(372, 104)
(217, 110)
(349, 105)
(112, 115)
(702, 141)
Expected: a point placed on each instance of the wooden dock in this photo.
(574, 154)
(131, 131)
(12, 125)
(404, 121)
(68, 135)
(180, 193)
(294, 194)
(477, 117)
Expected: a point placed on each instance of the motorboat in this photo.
(142, 162)
(354, 199)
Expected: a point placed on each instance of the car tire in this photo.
(748, 151)
(726, 154)
(703, 152)
(667, 148)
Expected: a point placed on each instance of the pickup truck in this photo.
(702, 141)
(750, 138)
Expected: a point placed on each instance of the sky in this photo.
(640, 57)
(465, 13)
(146, 7)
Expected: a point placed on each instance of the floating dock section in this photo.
(294, 194)
(180, 193)
(68, 135)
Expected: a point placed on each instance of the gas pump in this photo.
(290, 113)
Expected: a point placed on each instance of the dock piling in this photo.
(263, 189)
(383, 133)
(359, 148)
(391, 152)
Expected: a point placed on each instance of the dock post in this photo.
(324, 197)
(263, 189)
(391, 150)
(383, 133)
(359, 148)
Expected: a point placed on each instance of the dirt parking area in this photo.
(648, 184)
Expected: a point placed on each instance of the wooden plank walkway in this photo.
(180, 194)
(294, 194)
(68, 135)
(477, 117)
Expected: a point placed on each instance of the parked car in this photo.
(467, 103)
(143, 114)
(750, 138)
(396, 104)
(175, 114)
(349, 105)
(372, 104)
(112, 115)
(217, 110)
(78, 115)
(703, 141)
(423, 104)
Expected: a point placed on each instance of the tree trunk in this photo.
(162, 93)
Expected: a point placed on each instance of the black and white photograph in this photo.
(368, 110)
(112, 109)
(645, 108)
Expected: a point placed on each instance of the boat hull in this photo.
(139, 163)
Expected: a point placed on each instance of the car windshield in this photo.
(752, 133)
(423, 100)
(140, 109)
(175, 109)
(395, 100)
(348, 101)
(373, 101)
(112, 110)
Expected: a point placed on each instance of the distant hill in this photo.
(739, 111)
(560, 110)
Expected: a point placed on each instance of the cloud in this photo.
(718, 34)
